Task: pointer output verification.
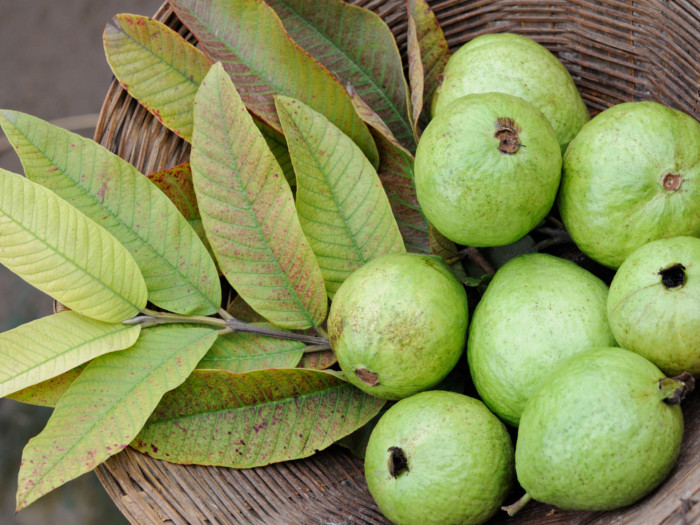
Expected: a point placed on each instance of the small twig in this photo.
(224, 314)
(317, 348)
(514, 508)
(239, 326)
(475, 256)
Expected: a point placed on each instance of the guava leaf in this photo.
(179, 272)
(253, 419)
(428, 53)
(54, 344)
(107, 405)
(63, 253)
(248, 211)
(176, 183)
(157, 67)
(243, 352)
(320, 360)
(342, 207)
(48, 392)
(247, 37)
(278, 146)
(358, 47)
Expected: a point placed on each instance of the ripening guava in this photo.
(537, 310)
(439, 458)
(603, 429)
(654, 304)
(514, 64)
(631, 176)
(487, 169)
(398, 324)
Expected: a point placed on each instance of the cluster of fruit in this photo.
(578, 367)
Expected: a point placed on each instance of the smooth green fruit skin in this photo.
(469, 190)
(514, 64)
(403, 317)
(612, 198)
(661, 324)
(537, 310)
(597, 435)
(459, 458)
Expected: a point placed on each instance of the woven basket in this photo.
(617, 51)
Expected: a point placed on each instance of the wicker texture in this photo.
(616, 51)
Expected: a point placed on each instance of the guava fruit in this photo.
(654, 304)
(537, 310)
(602, 430)
(439, 458)
(631, 176)
(487, 169)
(398, 324)
(513, 64)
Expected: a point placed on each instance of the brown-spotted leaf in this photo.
(248, 211)
(247, 37)
(319, 360)
(253, 419)
(157, 67)
(427, 50)
(342, 206)
(47, 393)
(358, 47)
(106, 406)
(244, 352)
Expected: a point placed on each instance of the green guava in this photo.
(519, 66)
(602, 431)
(487, 169)
(439, 458)
(631, 176)
(654, 304)
(398, 324)
(537, 310)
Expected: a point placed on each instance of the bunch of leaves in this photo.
(303, 126)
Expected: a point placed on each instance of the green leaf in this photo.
(179, 272)
(107, 405)
(342, 207)
(243, 352)
(428, 53)
(247, 37)
(358, 47)
(253, 419)
(54, 344)
(57, 249)
(157, 67)
(176, 183)
(47, 393)
(278, 146)
(248, 211)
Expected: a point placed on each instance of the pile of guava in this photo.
(547, 359)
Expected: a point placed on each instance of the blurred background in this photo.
(52, 65)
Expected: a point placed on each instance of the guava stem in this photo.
(475, 256)
(673, 390)
(514, 508)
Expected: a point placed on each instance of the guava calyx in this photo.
(398, 463)
(671, 181)
(673, 276)
(366, 376)
(674, 389)
(507, 135)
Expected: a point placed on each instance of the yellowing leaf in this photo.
(342, 207)
(157, 67)
(107, 405)
(48, 392)
(49, 346)
(252, 419)
(243, 352)
(57, 249)
(248, 211)
(179, 272)
(358, 47)
(247, 37)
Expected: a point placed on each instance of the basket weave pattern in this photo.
(616, 51)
